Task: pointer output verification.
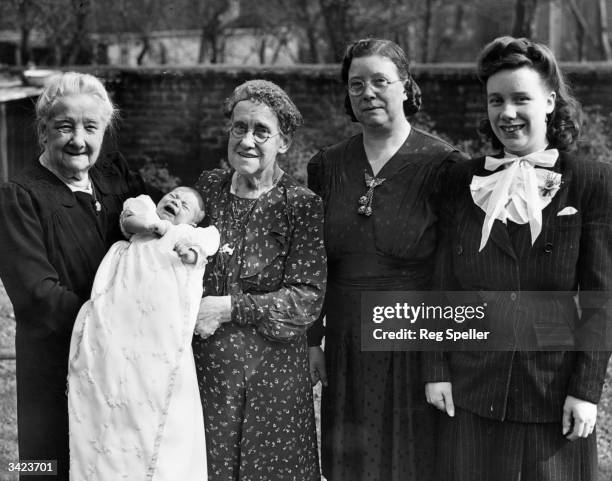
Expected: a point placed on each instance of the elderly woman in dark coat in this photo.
(263, 289)
(58, 217)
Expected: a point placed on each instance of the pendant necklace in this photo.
(365, 201)
(95, 203)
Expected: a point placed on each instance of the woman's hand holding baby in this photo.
(214, 311)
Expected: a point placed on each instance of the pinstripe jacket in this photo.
(572, 252)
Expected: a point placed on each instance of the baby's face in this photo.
(181, 206)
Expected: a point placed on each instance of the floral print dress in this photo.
(253, 372)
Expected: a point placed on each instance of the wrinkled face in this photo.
(377, 107)
(73, 135)
(246, 156)
(180, 206)
(517, 104)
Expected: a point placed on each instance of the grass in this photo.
(8, 412)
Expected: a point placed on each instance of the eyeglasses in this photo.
(260, 136)
(378, 84)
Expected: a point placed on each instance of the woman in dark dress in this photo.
(534, 217)
(379, 191)
(58, 217)
(262, 290)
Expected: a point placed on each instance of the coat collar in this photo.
(105, 176)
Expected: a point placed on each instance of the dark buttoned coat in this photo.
(51, 243)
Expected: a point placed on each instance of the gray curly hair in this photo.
(270, 94)
(72, 83)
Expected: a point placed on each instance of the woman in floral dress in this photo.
(262, 291)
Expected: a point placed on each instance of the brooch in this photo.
(226, 249)
(365, 201)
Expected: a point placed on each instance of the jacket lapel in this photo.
(560, 200)
(499, 233)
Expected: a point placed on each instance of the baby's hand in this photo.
(186, 253)
(160, 227)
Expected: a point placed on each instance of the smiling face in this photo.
(180, 206)
(73, 135)
(375, 108)
(247, 157)
(518, 102)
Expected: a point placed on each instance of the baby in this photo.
(134, 405)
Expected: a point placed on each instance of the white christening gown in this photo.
(133, 400)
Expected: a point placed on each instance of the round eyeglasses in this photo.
(260, 136)
(379, 84)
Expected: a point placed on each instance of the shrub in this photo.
(157, 175)
(595, 140)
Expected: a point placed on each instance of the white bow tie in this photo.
(519, 192)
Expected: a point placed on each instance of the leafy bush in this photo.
(157, 175)
(596, 136)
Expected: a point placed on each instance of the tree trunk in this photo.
(146, 46)
(337, 19)
(449, 38)
(580, 44)
(426, 31)
(25, 50)
(555, 27)
(202, 51)
(311, 34)
(25, 27)
(525, 12)
(214, 49)
(584, 26)
(313, 50)
(262, 51)
(604, 40)
(78, 51)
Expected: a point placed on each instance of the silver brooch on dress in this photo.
(365, 201)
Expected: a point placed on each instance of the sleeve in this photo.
(205, 242)
(31, 282)
(315, 167)
(208, 239)
(285, 314)
(209, 185)
(315, 170)
(595, 284)
(141, 206)
(435, 366)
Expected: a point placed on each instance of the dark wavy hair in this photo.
(509, 53)
(384, 48)
(270, 94)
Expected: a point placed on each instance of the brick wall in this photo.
(174, 115)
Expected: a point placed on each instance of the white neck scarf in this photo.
(519, 192)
